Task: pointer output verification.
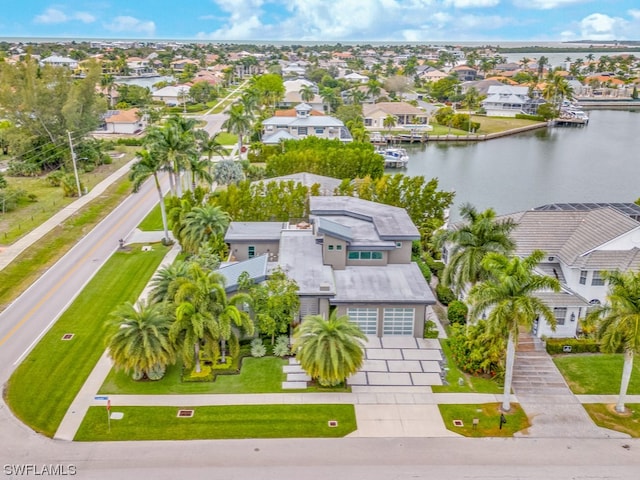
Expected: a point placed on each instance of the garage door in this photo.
(365, 318)
(398, 321)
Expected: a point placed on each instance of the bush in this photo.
(206, 374)
(457, 312)
(130, 142)
(445, 294)
(281, 349)
(475, 351)
(54, 179)
(435, 266)
(430, 329)
(156, 372)
(258, 350)
(424, 268)
(578, 345)
(537, 118)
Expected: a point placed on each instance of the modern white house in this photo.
(580, 241)
(58, 61)
(302, 122)
(352, 255)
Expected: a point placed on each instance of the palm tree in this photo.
(389, 122)
(620, 323)
(481, 234)
(201, 224)
(164, 282)
(141, 344)
(525, 63)
(107, 81)
(307, 94)
(227, 313)
(373, 89)
(238, 123)
(209, 145)
(329, 97)
(329, 350)
(146, 166)
(199, 170)
(510, 295)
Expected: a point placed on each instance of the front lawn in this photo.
(153, 221)
(43, 386)
(469, 383)
(257, 375)
(605, 416)
(488, 415)
(221, 422)
(596, 374)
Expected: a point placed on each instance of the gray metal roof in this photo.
(310, 121)
(277, 137)
(391, 223)
(301, 259)
(363, 233)
(254, 231)
(393, 283)
(256, 268)
(335, 229)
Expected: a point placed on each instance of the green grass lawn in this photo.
(43, 386)
(596, 374)
(245, 421)
(488, 415)
(605, 416)
(257, 375)
(49, 200)
(470, 384)
(153, 221)
(226, 138)
(487, 125)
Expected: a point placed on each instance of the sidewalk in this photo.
(10, 253)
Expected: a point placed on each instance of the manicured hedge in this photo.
(424, 268)
(445, 294)
(578, 345)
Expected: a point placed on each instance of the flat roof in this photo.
(254, 231)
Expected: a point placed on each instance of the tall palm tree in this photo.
(209, 145)
(468, 244)
(509, 295)
(389, 122)
(228, 313)
(307, 94)
(238, 123)
(329, 98)
(329, 350)
(620, 323)
(199, 170)
(201, 224)
(373, 89)
(141, 344)
(146, 166)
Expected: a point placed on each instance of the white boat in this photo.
(394, 157)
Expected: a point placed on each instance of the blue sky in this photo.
(327, 20)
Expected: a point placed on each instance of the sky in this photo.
(326, 20)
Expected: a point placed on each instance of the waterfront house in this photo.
(580, 241)
(58, 61)
(508, 101)
(301, 122)
(172, 95)
(405, 114)
(352, 255)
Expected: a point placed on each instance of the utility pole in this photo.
(75, 168)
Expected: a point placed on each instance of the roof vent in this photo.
(325, 287)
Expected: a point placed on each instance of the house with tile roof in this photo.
(123, 122)
(580, 242)
(405, 113)
(301, 122)
(352, 255)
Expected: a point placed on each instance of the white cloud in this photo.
(471, 3)
(53, 15)
(125, 23)
(635, 14)
(598, 26)
(546, 4)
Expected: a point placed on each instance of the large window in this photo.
(251, 251)
(597, 278)
(302, 130)
(560, 313)
(398, 321)
(365, 318)
(583, 277)
(364, 255)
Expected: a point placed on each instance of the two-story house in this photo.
(301, 122)
(353, 255)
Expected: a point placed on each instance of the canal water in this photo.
(596, 163)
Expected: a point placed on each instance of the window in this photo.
(365, 256)
(560, 313)
(319, 131)
(597, 278)
(251, 251)
(398, 244)
(329, 247)
(302, 130)
(338, 247)
(583, 277)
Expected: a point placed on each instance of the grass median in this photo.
(222, 422)
(43, 386)
(488, 420)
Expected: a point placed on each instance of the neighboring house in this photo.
(302, 122)
(465, 73)
(405, 113)
(508, 101)
(293, 69)
(431, 74)
(139, 66)
(580, 241)
(368, 98)
(354, 255)
(298, 84)
(171, 95)
(356, 78)
(58, 61)
(128, 122)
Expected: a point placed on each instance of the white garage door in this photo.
(365, 318)
(398, 321)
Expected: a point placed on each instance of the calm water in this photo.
(596, 163)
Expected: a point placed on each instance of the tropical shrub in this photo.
(457, 312)
(430, 329)
(258, 350)
(445, 294)
(476, 351)
(424, 268)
